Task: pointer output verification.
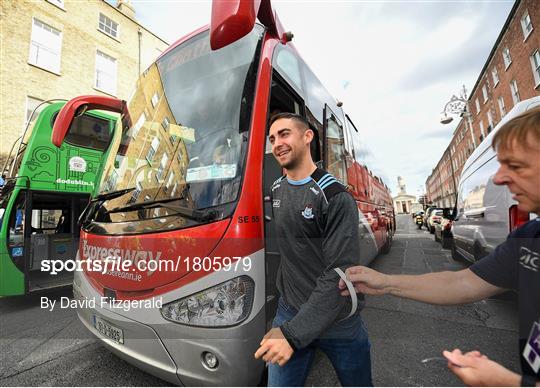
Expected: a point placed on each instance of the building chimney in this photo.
(126, 8)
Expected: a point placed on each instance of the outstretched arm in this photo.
(477, 370)
(436, 288)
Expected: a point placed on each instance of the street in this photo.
(39, 348)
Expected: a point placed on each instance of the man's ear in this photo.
(309, 135)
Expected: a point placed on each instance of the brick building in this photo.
(56, 49)
(510, 74)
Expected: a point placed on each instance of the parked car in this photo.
(486, 213)
(434, 216)
(427, 213)
(443, 229)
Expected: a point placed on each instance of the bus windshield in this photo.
(190, 115)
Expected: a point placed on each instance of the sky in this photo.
(393, 64)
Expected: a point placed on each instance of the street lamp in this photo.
(459, 106)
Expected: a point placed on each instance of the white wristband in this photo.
(351, 289)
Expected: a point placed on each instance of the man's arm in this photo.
(491, 275)
(436, 288)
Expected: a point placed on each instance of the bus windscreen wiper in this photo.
(194, 214)
(112, 194)
(96, 202)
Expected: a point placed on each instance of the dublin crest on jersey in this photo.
(308, 212)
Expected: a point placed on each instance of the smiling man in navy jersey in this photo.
(515, 264)
(317, 229)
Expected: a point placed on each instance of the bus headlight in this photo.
(225, 304)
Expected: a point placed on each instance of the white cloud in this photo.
(393, 64)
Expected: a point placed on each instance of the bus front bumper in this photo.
(175, 352)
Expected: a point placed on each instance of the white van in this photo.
(485, 212)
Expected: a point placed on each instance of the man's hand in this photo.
(475, 369)
(275, 348)
(365, 280)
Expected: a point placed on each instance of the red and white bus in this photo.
(178, 248)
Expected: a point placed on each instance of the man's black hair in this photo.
(293, 116)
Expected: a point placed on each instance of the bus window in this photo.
(50, 221)
(90, 132)
(288, 66)
(335, 147)
(352, 132)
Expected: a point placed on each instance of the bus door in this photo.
(42, 228)
(282, 99)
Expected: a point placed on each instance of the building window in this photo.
(484, 93)
(482, 131)
(506, 57)
(108, 26)
(526, 24)
(165, 123)
(105, 73)
(138, 125)
(502, 108)
(515, 91)
(136, 193)
(490, 121)
(155, 100)
(169, 182)
(45, 46)
(58, 3)
(161, 168)
(495, 76)
(153, 149)
(477, 103)
(535, 64)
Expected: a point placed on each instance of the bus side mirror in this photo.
(233, 19)
(77, 106)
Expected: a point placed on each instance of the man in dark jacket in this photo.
(317, 229)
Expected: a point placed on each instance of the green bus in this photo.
(44, 190)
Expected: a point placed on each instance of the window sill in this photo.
(537, 86)
(110, 36)
(104, 91)
(44, 69)
(507, 66)
(495, 84)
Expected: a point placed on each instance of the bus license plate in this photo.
(109, 330)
